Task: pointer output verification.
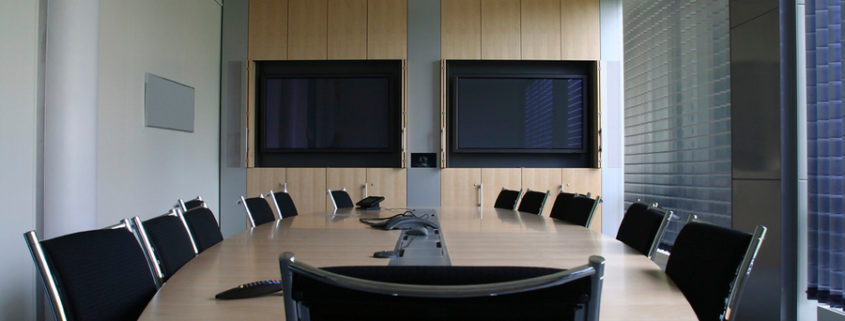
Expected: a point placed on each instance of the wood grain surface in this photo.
(634, 287)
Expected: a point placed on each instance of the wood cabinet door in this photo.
(268, 29)
(460, 29)
(494, 179)
(307, 188)
(260, 180)
(460, 187)
(387, 29)
(352, 179)
(580, 30)
(543, 179)
(390, 183)
(540, 29)
(307, 29)
(347, 29)
(500, 29)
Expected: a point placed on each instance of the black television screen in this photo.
(519, 114)
(327, 113)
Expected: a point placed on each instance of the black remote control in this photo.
(249, 290)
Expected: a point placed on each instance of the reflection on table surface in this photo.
(634, 287)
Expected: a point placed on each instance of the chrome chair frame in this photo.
(141, 233)
(272, 195)
(518, 197)
(743, 271)
(46, 273)
(185, 208)
(667, 215)
(593, 210)
(331, 197)
(137, 228)
(595, 266)
(249, 218)
(181, 216)
(542, 204)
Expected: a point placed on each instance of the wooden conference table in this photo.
(634, 287)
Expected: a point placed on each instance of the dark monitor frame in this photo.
(390, 157)
(588, 158)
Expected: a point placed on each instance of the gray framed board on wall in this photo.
(168, 104)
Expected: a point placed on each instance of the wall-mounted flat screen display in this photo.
(519, 114)
(327, 113)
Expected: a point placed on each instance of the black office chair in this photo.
(204, 229)
(340, 199)
(167, 241)
(283, 203)
(507, 199)
(94, 275)
(257, 210)
(533, 202)
(560, 204)
(191, 204)
(710, 263)
(642, 226)
(440, 292)
(578, 209)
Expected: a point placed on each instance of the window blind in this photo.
(677, 108)
(824, 151)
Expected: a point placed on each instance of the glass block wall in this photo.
(677, 108)
(825, 155)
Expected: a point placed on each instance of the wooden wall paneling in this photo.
(543, 179)
(584, 180)
(387, 29)
(458, 186)
(268, 29)
(540, 29)
(307, 29)
(353, 179)
(250, 114)
(460, 29)
(494, 179)
(347, 29)
(307, 188)
(392, 183)
(580, 30)
(262, 180)
(500, 25)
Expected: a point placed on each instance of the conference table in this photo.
(634, 287)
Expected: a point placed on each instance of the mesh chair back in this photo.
(577, 210)
(640, 226)
(560, 205)
(441, 292)
(704, 263)
(171, 243)
(259, 211)
(284, 204)
(194, 203)
(203, 227)
(99, 274)
(341, 199)
(507, 199)
(533, 202)
(191, 204)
